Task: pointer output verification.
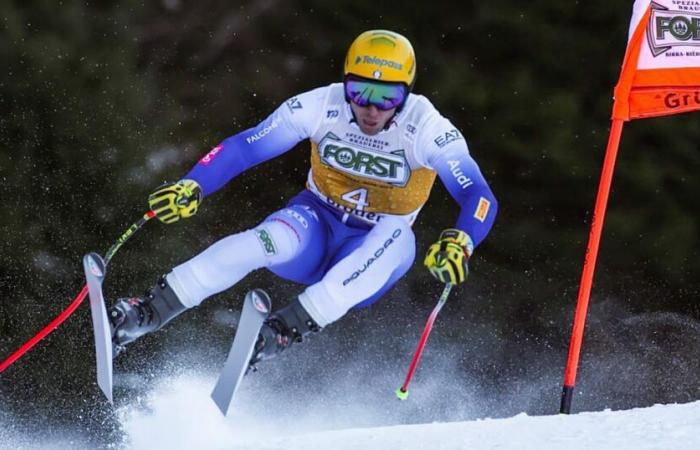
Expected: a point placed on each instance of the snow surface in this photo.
(179, 415)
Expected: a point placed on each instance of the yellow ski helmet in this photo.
(382, 55)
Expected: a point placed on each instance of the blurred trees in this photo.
(102, 101)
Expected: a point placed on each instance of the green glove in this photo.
(172, 201)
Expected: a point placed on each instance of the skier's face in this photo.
(370, 119)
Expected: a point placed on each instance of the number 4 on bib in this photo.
(358, 197)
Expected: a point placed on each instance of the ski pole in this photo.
(77, 300)
(402, 392)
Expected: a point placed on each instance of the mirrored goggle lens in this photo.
(384, 96)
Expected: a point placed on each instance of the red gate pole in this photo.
(24, 348)
(589, 265)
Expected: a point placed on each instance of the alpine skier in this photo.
(376, 149)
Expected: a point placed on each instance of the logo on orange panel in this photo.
(669, 28)
(482, 209)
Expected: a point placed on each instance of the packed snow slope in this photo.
(338, 392)
(657, 427)
(181, 416)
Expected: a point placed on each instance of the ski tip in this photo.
(95, 264)
(401, 394)
(260, 300)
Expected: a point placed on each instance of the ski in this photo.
(256, 307)
(94, 275)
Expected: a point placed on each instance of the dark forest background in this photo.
(102, 101)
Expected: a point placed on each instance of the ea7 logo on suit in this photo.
(447, 137)
(294, 103)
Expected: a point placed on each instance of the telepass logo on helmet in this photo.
(382, 55)
(384, 58)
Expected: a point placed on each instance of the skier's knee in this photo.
(286, 232)
(401, 233)
(278, 240)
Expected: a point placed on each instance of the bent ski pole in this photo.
(77, 300)
(402, 392)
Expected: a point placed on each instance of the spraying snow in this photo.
(180, 415)
(339, 391)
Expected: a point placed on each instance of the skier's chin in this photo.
(370, 128)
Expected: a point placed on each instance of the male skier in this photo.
(376, 149)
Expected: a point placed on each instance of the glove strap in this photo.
(460, 238)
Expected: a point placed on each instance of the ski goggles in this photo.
(384, 96)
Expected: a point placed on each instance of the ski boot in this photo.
(131, 318)
(280, 330)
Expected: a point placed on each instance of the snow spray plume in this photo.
(638, 360)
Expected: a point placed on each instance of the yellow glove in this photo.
(447, 258)
(172, 201)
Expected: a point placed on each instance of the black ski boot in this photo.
(284, 327)
(131, 318)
